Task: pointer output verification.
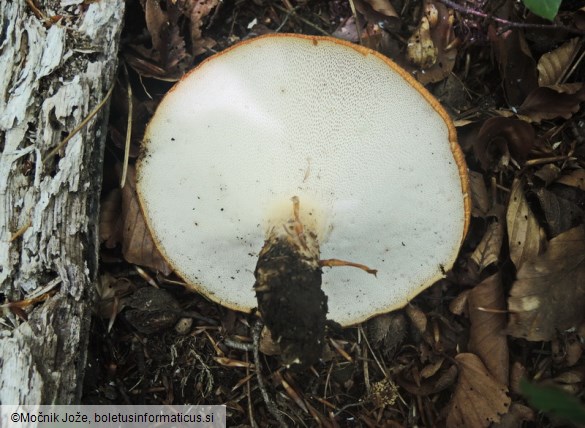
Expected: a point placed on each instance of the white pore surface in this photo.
(280, 117)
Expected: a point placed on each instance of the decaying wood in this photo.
(57, 63)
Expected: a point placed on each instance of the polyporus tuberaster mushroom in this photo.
(313, 141)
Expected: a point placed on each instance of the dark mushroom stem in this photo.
(288, 288)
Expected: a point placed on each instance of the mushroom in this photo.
(313, 142)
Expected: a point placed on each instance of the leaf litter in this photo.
(511, 308)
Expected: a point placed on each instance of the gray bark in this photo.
(51, 77)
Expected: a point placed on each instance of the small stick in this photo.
(82, 124)
(128, 128)
(269, 403)
(509, 24)
(21, 231)
(338, 262)
(249, 394)
(300, 18)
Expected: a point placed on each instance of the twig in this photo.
(300, 18)
(21, 231)
(269, 403)
(240, 346)
(358, 25)
(82, 124)
(533, 162)
(128, 128)
(249, 394)
(510, 24)
(39, 14)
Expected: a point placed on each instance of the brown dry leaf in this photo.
(551, 102)
(420, 49)
(137, 245)
(111, 223)
(573, 351)
(561, 206)
(383, 6)
(571, 380)
(487, 336)
(488, 250)
(549, 291)
(196, 11)
(387, 331)
(431, 369)
(228, 362)
(378, 12)
(549, 173)
(156, 21)
(478, 399)
(440, 20)
(517, 373)
(417, 317)
(268, 345)
(458, 305)
(347, 30)
(500, 137)
(480, 201)
(553, 66)
(575, 179)
(516, 417)
(443, 381)
(524, 232)
(517, 67)
(169, 46)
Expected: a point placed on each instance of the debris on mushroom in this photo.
(316, 141)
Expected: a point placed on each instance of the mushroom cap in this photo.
(370, 153)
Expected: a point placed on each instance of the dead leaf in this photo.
(487, 336)
(500, 137)
(292, 393)
(516, 417)
(111, 224)
(347, 30)
(387, 331)
(549, 291)
(553, 66)
(151, 310)
(524, 233)
(383, 6)
(168, 44)
(137, 245)
(444, 380)
(197, 11)
(431, 369)
(517, 67)
(417, 317)
(378, 12)
(575, 178)
(517, 373)
(228, 362)
(268, 345)
(420, 49)
(488, 250)
(156, 21)
(561, 206)
(549, 173)
(458, 305)
(479, 399)
(552, 102)
(480, 201)
(440, 20)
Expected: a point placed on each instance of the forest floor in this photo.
(481, 346)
